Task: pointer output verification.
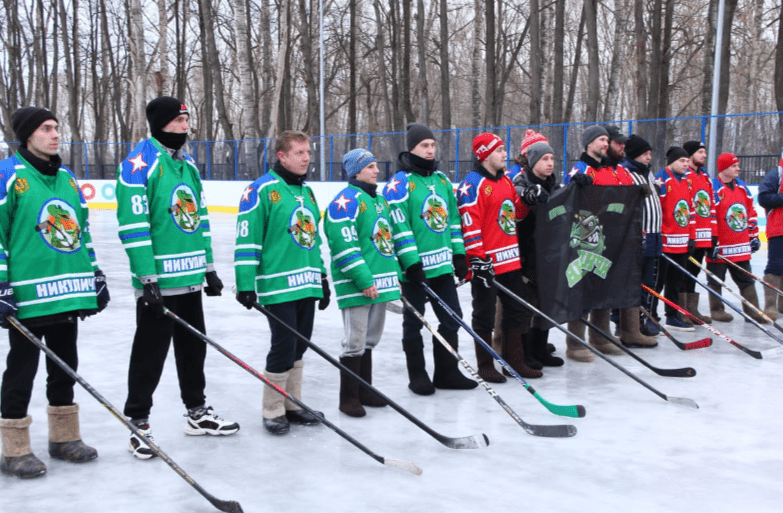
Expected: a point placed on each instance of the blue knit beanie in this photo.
(356, 160)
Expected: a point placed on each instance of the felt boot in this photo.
(418, 380)
(749, 293)
(514, 354)
(349, 388)
(601, 319)
(18, 458)
(65, 442)
(366, 397)
(486, 363)
(770, 296)
(629, 330)
(447, 374)
(538, 343)
(693, 307)
(575, 350)
(682, 302)
(275, 420)
(294, 413)
(717, 310)
(530, 358)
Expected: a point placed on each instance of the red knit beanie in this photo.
(531, 137)
(726, 160)
(484, 144)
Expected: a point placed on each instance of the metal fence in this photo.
(755, 138)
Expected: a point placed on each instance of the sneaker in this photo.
(649, 329)
(138, 447)
(204, 421)
(673, 323)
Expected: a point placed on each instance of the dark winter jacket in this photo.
(526, 228)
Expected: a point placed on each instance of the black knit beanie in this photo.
(636, 146)
(692, 147)
(26, 120)
(675, 153)
(160, 112)
(417, 133)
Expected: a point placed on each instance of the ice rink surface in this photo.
(633, 452)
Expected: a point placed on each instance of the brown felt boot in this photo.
(749, 293)
(692, 303)
(18, 458)
(717, 310)
(349, 388)
(294, 413)
(514, 354)
(65, 442)
(629, 330)
(486, 363)
(601, 319)
(575, 350)
(275, 420)
(770, 296)
(367, 397)
(682, 302)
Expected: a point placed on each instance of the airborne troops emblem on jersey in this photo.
(185, 209)
(59, 227)
(21, 185)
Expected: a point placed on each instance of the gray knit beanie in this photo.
(591, 133)
(536, 151)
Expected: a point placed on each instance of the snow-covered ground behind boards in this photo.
(633, 450)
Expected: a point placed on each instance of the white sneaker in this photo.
(138, 447)
(204, 421)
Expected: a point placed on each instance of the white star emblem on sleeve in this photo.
(342, 203)
(138, 163)
(465, 189)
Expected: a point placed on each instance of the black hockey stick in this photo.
(729, 303)
(557, 431)
(698, 344)
(575, 411)
(228, 506)
(399, 464)
(465, 442)
(742, 299)
(687, 372)
(767, 353)
(766, 284)
(682, 401)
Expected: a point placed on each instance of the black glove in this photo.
(214, 285)
(483, 270)
(101, 290)
(324, 302)
(247, 298)
(153, 300)
(691, 246)
(415, 273)
(7, 304)
(460, 266)
(714, 249)
(755, 244)
(582, 179)
(533, 195)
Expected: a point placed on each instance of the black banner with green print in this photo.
(588, 249)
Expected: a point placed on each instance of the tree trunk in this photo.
(310, 64)
(725, 70)
(709, 58)
(779, 74)
(424, 90)
(478, 34)
(138, 77)
(575, 72)
(380, 47)
(163, 49)
(249, 114)
(352, 66)
(640, 52)
(593, 62)
(266, 92)
(610, 112)
(407, 97)
(281, 57)
(445, 79)
(213, 62)
(489, 51)
(535, 64)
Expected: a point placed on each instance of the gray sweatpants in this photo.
(363, 328)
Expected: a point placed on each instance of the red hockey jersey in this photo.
(737, 221)
(703, 207)
(679, 225)
(489, 210)
(606, 175)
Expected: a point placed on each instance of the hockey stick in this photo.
(465, 442)
(767, 353)
(729, 303)
(575, 411)
(682, 401)
(557, 431)
(399, 464)
(393, 307)
(738, 296)
(698, 344)
(228, 506)
(766, 284)
(687, 372)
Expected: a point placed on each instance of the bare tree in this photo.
(424, 89)
(593, 62)
(138, 77)
(445, 79)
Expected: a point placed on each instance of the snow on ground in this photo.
(633, 450)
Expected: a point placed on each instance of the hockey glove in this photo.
(101, 290)
(415, 273)
(582, 179)
(324, 302)
(214, 285)
(714, 249)
(7, 304)
(153, 300)
(460, 266)
(247, 298)
(533, 195)
(483, 270)
(755, 244)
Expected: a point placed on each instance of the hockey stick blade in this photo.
(698, 344)
(403, 465)
(683, 401)
(394, 307)
(772, 353)
(227, 506)
(465, 442)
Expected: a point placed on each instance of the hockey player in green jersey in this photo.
(277, 262)
(164, 228)
(365, 272)
(48, 278)
(428, 241)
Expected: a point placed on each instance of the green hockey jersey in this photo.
(278, 245)
(47, 254)
(162, 212)
(425, 221)
(358, 229)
